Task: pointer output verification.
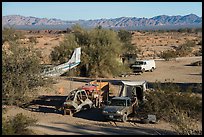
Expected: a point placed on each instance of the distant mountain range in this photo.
(161, 21)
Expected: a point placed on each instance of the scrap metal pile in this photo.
(96, 94)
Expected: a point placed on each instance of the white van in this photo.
(143, 65)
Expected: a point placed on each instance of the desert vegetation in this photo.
(182, 50)
(101, 50)
(161, 41)
(182, 109)
(20, 79)
(18, 125)
(20, 71)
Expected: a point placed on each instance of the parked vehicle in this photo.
(130, 97)
(143, 65)
(76, 101)
(136, 90)
(119, 109)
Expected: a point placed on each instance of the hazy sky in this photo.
(97, 10)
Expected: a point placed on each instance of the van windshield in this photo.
(139, 63)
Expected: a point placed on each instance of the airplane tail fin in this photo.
(76, 56)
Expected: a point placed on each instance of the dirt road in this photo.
(178, 70)
(89, 122)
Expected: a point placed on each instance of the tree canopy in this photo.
(101, 51)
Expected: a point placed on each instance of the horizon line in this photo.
(100, 18)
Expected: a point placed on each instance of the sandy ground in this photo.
(91, 122)
(177, 71)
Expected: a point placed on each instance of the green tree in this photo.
(101, 50)
(20, 72)
(62, 53)
(125, 36)
(128, 49)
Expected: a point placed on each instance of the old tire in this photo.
(124, 118)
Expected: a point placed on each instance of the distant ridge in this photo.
(116, 23)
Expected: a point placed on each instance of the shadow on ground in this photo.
(99, 129)
(46, 104)
(94, 114)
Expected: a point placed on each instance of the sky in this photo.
(97, 10)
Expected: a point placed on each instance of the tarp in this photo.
(132, 88)
(134, 83)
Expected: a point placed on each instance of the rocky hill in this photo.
(122, 22)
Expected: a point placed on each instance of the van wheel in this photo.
(152, 69)
(124, 118)
(143, 70)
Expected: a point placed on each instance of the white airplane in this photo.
(62, 68)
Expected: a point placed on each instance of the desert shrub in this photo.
(47, 43)
(200, 42)
(183, 124)
(181, 51)
(17, 125)
(171, 105)
(185, 49)
(20, 73)
(189, 30)
(169, 54)
(198, 52)
(33, 40)
(10, 34)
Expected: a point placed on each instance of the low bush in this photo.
(10, 34)
(17, 125)
(33, 40)
(181, 51)
(171, 105)
(169, 54)
(185, 49)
